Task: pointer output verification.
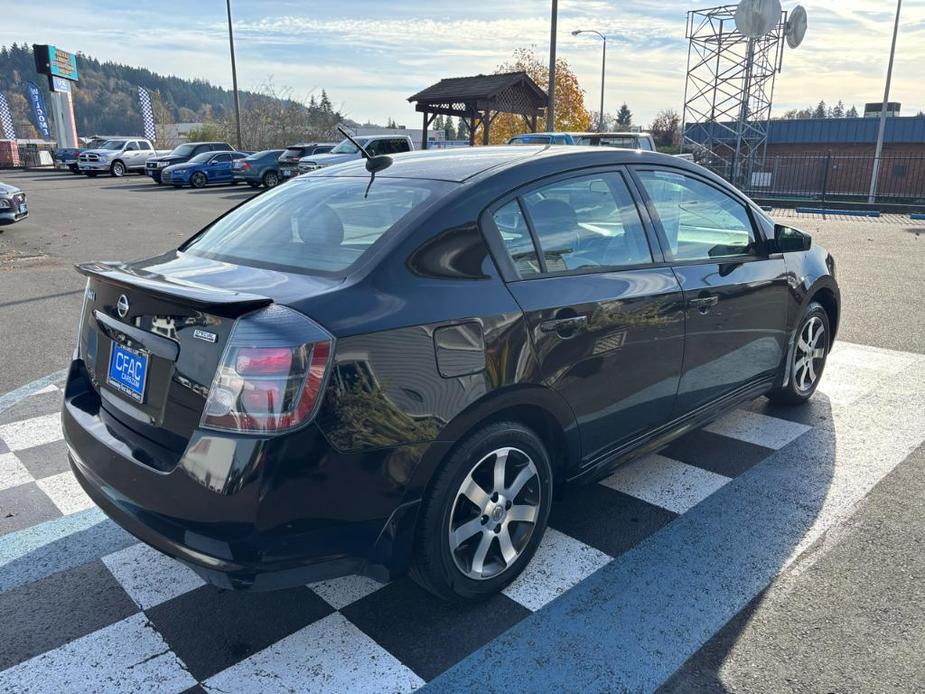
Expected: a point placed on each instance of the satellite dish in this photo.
(796, 26)
(755, 18)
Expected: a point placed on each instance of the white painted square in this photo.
(12, 472)
(150, 577)
(665, 482)
(340, 592)
(560, 563)
(760, 429)
(128, 656)
(66, 493)
(50, 388)
(32, 432)
(330, 655)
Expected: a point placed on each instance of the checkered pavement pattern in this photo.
(91, 609)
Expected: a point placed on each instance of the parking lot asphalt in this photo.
(775, 550)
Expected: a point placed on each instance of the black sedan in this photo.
(393, 373)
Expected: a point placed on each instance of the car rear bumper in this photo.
(243, 512)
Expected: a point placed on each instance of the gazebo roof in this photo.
(482, 88)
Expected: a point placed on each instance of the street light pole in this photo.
(875, 173)
(234, 78)
(600, 126)
(551, 95)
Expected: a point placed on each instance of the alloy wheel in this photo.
(118, 169)
(198, 180)
(809, 354)
(270, 179)
(494, 513)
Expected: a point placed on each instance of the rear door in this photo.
(736, 294)
(607, 323)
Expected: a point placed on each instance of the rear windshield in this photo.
(294, 152)
(315, 224)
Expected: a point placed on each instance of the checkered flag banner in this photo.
(147, 114)
(6, 119)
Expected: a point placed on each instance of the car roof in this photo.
(610, 133)
(207, 142)
(310, 144)
(461, 164)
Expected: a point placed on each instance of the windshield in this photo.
(347, 147)
(315, 224)
(201, 158)
(183, 150)
(112, 144)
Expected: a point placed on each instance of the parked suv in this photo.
(180, 154)
(352, 374)
(13, 205)
(289, 160)
(346, 150)
(117, 157)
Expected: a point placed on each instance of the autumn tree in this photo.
(666, 128)
(571, 114)
(624, 118)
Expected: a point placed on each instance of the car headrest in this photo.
(553, 216)
(321, 227)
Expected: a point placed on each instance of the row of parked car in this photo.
(199, 164)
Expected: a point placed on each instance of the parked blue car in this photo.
(259, 169)
(202, 170)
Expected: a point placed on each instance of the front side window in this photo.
(347, 147)
(587, 222)
(221, 158)
(700, 222)
(315, 225)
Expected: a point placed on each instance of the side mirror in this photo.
(789, 240)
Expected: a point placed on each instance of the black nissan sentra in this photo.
(400, 372)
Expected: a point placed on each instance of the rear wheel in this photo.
(485, 513)
(117, 169)
(198, 180)
(810, 349)
(270, 179)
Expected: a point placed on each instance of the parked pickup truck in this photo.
(181, 154)
(117, 157)
(346, 150)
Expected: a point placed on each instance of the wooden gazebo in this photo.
(479, 99)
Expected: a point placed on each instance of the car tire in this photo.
(468, 545)
(117, 169)
(812, 343)
(270, 179)
(198, 180)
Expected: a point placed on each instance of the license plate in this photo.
(23, 208)
(128, 371)
(286, 173)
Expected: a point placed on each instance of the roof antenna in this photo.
(374, 164)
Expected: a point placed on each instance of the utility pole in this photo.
(551, 104)
(875, 173)
(234, 78)
(603, 38)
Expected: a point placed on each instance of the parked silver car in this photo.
(13, 206)
(347, 151)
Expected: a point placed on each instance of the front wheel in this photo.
(807, 361)
(117, 169)
(198, 180)
(485, 513)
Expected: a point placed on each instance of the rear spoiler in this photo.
(193, 294)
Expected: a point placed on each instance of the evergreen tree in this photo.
(624, 118)
(838, 110)
(851, 113)
(820, 110)
(449, 129)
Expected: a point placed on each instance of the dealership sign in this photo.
(38, 108)
(52, 61)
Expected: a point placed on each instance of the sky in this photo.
(370, 55)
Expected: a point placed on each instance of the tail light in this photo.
(245, 165)
(272, 373)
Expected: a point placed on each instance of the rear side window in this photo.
(512, 225)
(317, 224)
(700, 222)
(586, 222)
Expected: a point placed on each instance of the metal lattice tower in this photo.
(728, 93)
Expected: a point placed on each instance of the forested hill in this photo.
(106, 97)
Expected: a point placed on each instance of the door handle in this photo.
(704, 303)
(565, 327)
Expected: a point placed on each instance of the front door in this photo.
(220, 168)
(607, 325)
(735, 294)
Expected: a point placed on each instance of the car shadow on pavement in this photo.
(783, 504)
